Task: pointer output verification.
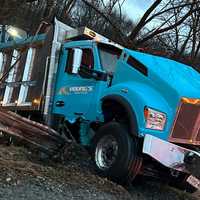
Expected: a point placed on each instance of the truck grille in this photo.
(186, 128)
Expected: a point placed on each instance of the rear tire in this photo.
(115, 153)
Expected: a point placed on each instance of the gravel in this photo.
(24, 175)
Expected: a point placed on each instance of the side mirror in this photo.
(87, 73)
(76, 60)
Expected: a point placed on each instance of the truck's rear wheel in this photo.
(115, 153)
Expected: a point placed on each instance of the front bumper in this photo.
(172, 156)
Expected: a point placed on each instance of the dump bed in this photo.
(29, 83)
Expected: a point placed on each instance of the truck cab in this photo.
(119, 91)
(85, 71)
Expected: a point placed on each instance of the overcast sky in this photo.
(136, 8)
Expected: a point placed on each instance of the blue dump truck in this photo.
(137, 113)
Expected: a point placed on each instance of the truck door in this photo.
(74, 94)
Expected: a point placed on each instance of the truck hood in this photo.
(168, 75)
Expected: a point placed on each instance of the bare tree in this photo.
(27, 14)
(171, 26)
(184, 8)
(104, 17)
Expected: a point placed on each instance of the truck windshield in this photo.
(108, 57)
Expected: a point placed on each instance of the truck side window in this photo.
(69, 63)
(87, 60)
(109, 55)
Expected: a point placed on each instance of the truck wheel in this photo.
(115, 153)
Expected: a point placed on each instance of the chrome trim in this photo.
(106, 152)
(168, 154)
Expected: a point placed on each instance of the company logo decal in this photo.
(75, 90)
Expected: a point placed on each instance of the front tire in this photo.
(115, 153)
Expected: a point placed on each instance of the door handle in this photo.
(60, 103)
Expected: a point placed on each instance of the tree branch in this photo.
(141, 23)
(121, 35)
(139, 42)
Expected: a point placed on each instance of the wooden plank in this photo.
(41, 136)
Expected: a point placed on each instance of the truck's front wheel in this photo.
(115, 153)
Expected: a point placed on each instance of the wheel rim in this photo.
(106, 152)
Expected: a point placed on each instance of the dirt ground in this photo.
(24, 176)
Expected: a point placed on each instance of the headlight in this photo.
(154, 119)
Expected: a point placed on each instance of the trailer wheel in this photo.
(115, 153)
